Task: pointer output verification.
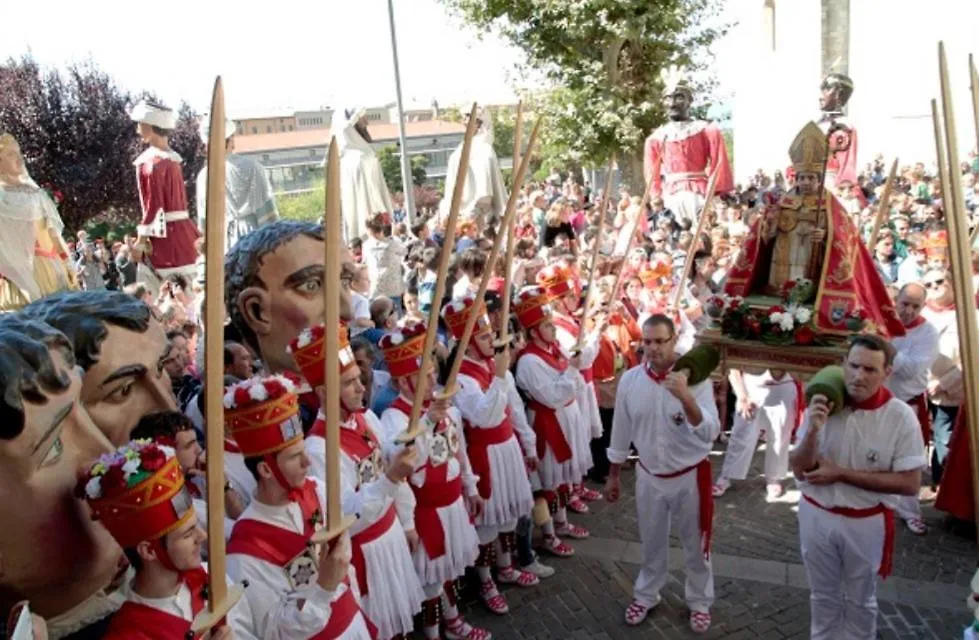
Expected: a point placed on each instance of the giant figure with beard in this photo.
(484, 195)
(362, 188)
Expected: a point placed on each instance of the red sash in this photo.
(274, 544)
(920, 405)
(368, 535)
(343, 611)
(137, 621)
(705, 494)
(887, 559)
(571, 326)
(479, 440)
(546, 424)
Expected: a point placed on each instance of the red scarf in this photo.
(656, 376)
(876, 401)
(917, 322)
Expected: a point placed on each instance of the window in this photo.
(265, 157)
(290, 127)
(268, 129)
(254, 129)
(312, 153)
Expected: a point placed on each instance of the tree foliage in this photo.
(603, 58)
(76, 136)
(390, 161)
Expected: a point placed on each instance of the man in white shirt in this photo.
(916, 352)
(851, 467)
(672, 426)
(945, 383)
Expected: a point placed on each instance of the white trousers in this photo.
(660, 501)
(908, 507)
(842, 556)
(774, 416)
(686, 205)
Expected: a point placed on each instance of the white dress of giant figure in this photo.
(362, 189)
(249, 200)
(484, 193)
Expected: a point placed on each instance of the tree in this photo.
(77, 138)
(604, 59)
(390, 160)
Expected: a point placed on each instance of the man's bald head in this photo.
(910, 301)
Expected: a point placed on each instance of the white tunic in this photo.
(884, 439)
(363, 191)
(586, 395)
(653, 420)
(916, 352)
(510, 496)
(546, 385)
(280, 611)
(484, 191)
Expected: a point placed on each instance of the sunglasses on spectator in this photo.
(934, 284)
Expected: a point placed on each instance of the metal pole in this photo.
(406, 182)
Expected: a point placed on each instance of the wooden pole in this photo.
(960, 253)
(632, 238)
(506, 227)
(688, 263)
(517, 139)
(220, 598)
(884, 206)
(974, 85)
(511, 244)
(596, 249)
(448, 243)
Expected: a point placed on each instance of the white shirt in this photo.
(383, 258)
(916, 352)
(361, 310)
(884, 439)
(947, 367)
(653, 420)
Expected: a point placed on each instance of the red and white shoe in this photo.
(569, 530)
(635, 613)
(590, 495)
(511, 575)
(699, 621)
(916, 526)
(554, 546)
(577, 505)
(459, 629)
(492, 598)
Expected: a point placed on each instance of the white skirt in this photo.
(511, 496)
(394, 592)
(554, 473)
(461, 547)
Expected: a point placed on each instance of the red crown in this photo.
(138, 493)
(456, 314)
(556, 280)
(936, 243)
(261, 414)
(658, 275)
(307, 350)
(532, 306)
(403, 349)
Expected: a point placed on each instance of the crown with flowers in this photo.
(556, 280)
(308, 351)
(138, 492)
(655, 275)
(532, 306)
(936, 243)
(261, 414)
(403, 349)
(456, 314)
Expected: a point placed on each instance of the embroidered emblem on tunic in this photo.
(302, 570)
(678, 418)
(439, 447)
(873, 456)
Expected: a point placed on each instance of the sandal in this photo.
(554, 546)
(510, 575)
(916, 526)
(720, 487)
(459, 629)
(569, 530)
(577, 505)
(635, 613)
(491, 596)
(590, 495)
(699, 621)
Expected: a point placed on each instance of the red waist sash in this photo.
(704, 484)
(343, 611)
(478, 442)
(887, 559)
(549, 432)
(368, 535)
(136, 621)
(428, 499)
(920, 405)
(588, 374)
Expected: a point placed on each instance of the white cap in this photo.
(205, 129)
(155, 115)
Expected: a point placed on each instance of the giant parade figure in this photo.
(484, 195)
(362, 187)
(165, 230)
(841, 166)
(683, 153)
(249, 201)
(33, 256)
(807, 235)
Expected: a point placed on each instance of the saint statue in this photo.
(363, 191)
(683, 153)
(33, 255)
(249, 201)
(484, 195)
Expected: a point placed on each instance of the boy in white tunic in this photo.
(672, 426)
(495, 453)
(376, 493)
(552, 383)
(295, 591)
(446, 497)
(162, 540)
(915, 353)
(562, 285)
(851, 467)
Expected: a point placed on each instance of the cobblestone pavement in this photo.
(760, 584)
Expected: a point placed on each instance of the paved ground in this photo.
(760, 584)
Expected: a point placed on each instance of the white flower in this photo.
(131, 467)
(169, 452)
(304, 339)
(93, 488)
(397, 338)
(258, 392)
(229, 399)
(803, 315)
(776, 318)
(786, 322)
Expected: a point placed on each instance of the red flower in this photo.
(153, 458)
(804, 335)
(58, 197)
(754, 326)
(788, 286)
(114, 478)
(776, 309)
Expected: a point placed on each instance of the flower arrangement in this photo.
(856, 320)
(796, 292)
(787, 325)
(778, 324)
(125, 468)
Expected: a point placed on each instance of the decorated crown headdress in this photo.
(675, 79)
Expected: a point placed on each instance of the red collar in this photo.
(934, 306)
(917, 322)
(875, 401)
(656, 376)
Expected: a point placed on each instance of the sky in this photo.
(309, 54)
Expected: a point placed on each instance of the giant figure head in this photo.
(835, 92)
(51, 553)
(122, 348)
(677, 94)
